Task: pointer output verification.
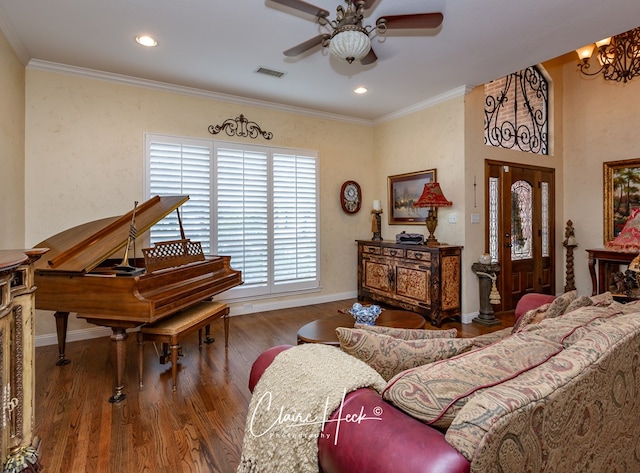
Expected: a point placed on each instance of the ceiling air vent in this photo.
(269, 72)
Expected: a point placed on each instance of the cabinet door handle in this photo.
(393, 252)
(418, 255)
(390, 277)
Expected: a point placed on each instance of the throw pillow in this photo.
(530, 317)
(582, 301)
(409, 333)
(602, 300)
(390, 356)
(560, 304)
(436, 392)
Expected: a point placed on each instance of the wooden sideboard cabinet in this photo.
(17, 348)
(418, 278)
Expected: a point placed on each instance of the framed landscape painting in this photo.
(621, 194)
(403, 191)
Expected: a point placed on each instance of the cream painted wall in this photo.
(601, 124)
(476, 152)
(12, 96)
(428, 139)
(84, 160)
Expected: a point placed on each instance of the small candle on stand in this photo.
(377, 205)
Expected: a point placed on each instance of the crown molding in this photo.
(47, 66)
(431, 102)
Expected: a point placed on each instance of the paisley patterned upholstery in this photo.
(576, 413)
(409, 333)
(389, 356)
(435, 393)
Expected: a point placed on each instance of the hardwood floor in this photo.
(199, 428)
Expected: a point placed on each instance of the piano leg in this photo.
(119, 336)
(62, 318)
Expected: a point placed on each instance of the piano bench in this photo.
(170, 330)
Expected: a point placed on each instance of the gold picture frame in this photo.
(402, 191)
(620, 197)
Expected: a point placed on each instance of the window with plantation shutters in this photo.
(257, 204)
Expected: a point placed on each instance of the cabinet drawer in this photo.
(371, 250)
(419, 255)
(394, 252)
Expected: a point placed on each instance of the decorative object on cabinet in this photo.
(416, 278)
(616, 204)
(350, 197)
(432, 197)
(410, 238)
(488, 292)
(570, 243)
(403, 190)
(376, 221)
(241, 127)
(17, 355)
(607, 262)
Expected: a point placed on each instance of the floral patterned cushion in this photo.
(409, 333)
(390, 356)
(435, 393)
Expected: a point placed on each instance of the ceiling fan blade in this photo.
(306, 45)
(304, 7)
(418, 20)
(370, 58)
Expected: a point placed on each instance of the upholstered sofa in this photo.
(570, 403)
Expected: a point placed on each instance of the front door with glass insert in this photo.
(520, 230)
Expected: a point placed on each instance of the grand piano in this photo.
(87, 272)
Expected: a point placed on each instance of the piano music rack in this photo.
(168, 254)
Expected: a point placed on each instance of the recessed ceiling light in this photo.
(360, 90)
(146, 40)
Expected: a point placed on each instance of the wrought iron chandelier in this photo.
(619, 56)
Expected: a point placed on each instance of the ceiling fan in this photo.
(348, 39)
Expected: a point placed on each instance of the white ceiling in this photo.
(216, 45)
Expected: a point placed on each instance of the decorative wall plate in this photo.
(350, 197)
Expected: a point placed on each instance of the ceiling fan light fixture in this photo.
(350, 44)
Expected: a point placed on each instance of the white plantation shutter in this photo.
(242, 213)
(257, 204)
(295, 222)
(182, 167)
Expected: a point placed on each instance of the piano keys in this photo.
(81, 275)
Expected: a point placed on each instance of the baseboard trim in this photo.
(468, 318)
(73, 336)
(235, 308)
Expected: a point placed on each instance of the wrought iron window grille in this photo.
(517, 115)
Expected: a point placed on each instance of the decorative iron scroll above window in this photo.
(516, 112)
(242, 127)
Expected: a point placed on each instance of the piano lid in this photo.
(82, 248)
